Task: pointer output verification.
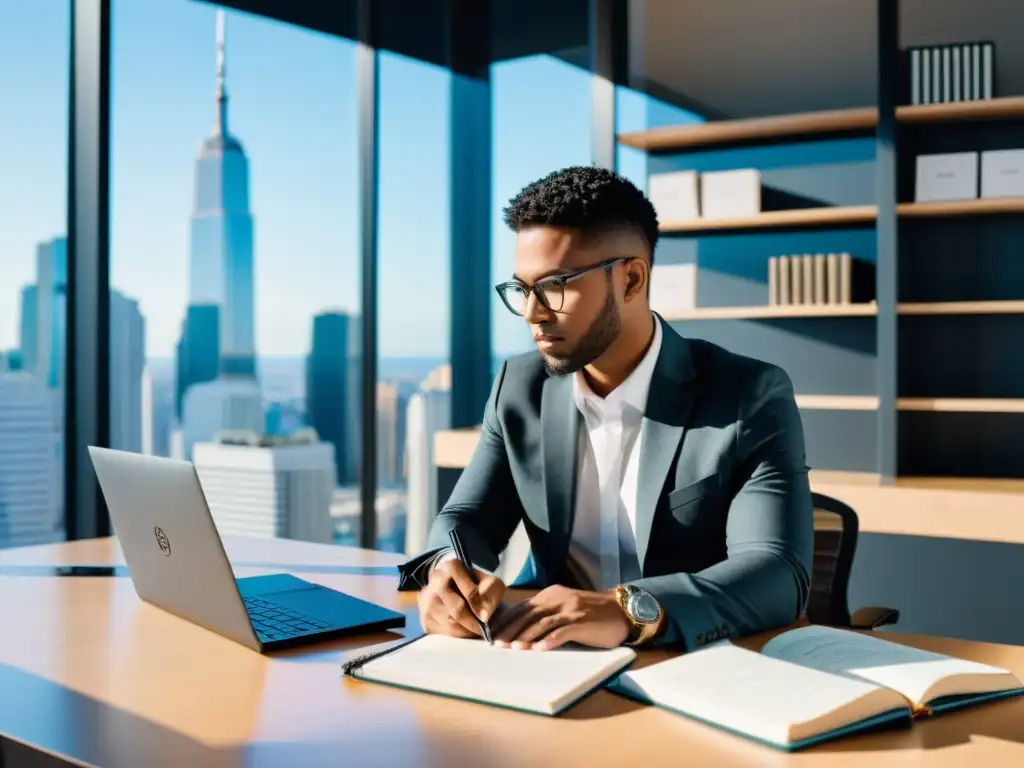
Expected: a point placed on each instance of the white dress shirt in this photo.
(603, 544)
(603, 541)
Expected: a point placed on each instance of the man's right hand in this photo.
(451, 602)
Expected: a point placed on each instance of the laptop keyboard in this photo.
(272, 622)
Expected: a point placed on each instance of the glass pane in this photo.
(414, 377)
(527, 148)
(34, 37)
(235, 261)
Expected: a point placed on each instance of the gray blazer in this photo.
(724, 522)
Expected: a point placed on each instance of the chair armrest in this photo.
(872, 617)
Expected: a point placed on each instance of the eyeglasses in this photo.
(550, 291)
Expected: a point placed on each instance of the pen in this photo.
(461, 554)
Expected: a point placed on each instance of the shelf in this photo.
(751, 130)
(962, 308)
(799, 217)
(774, 311)
(837, 402)
(811, 124)
(989, 109)
(945, 404)
(974, 207)
(962, 404)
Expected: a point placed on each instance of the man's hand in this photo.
(559, 615)
(451, 602)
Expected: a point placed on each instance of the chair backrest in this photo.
(835, 542)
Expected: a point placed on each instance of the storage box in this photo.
(674, 196)
(946, 177)
(1002, 173)
(730, 194)
(673, 288)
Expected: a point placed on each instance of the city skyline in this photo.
(303, 175)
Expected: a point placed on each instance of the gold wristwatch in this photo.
(643, 611)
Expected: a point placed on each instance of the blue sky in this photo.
(293, 107)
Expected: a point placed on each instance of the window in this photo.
(414, 308)
(34, 41)
(235, 317)
(527, 148)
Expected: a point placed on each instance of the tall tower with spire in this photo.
(221, 264)
(216, 366)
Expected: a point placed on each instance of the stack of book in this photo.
(942, 74)
(820, 278)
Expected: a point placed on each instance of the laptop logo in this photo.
(162, 541)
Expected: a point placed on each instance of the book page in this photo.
(542, 681)
(765, 698)
(918, 675)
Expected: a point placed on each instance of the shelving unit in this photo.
(803, 217)
(958, 409)
(813, 125)
(769, 312)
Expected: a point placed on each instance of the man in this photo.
(661, 480)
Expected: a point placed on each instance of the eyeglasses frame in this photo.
(561, 280)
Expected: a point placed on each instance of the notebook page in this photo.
(765, 698)
(541, 681)
(910, 671)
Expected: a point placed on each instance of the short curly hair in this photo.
(591, 200)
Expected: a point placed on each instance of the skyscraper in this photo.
(428, 411)
(269, 487)
(31, 508)
(221, 282)
(28, 331)
(221, 264)
(51, 311)
(198, 353)
(127, 359)
(332, 389)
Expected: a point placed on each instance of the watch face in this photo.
(644, 607)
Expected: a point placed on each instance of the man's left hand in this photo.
(559, 615)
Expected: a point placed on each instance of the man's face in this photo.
(589, 318)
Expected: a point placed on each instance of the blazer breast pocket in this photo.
(685, 503)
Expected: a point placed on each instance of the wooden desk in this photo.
(90, 673)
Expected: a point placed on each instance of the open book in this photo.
(542, 682)
(811, 684)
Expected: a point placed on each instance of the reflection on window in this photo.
(541, 124)
(33, 268)
(234, 322)
(414, 376)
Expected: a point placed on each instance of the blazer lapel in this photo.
(560, 427)
(669, 402)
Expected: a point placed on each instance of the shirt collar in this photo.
(631, 393)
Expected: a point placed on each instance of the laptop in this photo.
(177, 562)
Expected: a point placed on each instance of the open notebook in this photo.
(542, 682)
(813, 684)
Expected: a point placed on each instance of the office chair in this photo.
(835, 542)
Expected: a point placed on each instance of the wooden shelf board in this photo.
(751, 129)
(798, 217)
(988, 109)
(809, 124)
(973, 207)
(962, 308)
(962, 404)
(838, 402)
(770, 311)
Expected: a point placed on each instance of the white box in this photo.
(674, 196)
(673, 288)
(730, 194)
(946, 177)
(1002, 173)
